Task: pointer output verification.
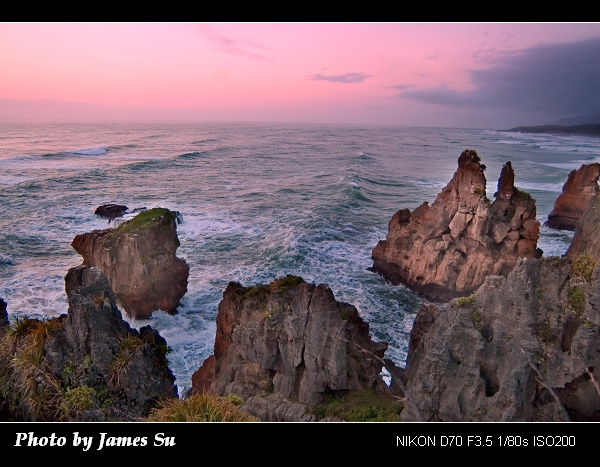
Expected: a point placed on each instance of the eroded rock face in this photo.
(521, 348)
(447, 249)
(139, 259)
(283, 346)
(91, 351)
(577, 192)
(586, 238)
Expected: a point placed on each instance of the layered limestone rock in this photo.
(586, 239)
(283, 346)
(139, 259)
(577, 192)
(90, 365)
(525, 347)
(446, 250)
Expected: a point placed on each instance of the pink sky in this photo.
(491, 75)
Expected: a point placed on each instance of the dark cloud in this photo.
(557, 79)
(345, 78)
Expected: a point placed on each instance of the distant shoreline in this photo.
(568, 130)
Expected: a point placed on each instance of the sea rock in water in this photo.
(282, 346)
(111, 211)
(522, 348)
(577, 192)
(139, 259)
(446, 250)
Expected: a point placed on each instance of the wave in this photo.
(551, 187)
(98, 151)
(124, 146)
(569, 165)
(6, 261)
(204, 141)
(192, 155)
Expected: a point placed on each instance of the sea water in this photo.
(258, 200)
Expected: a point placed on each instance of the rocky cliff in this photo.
(577, 192)
(586, 238)
(139, 259)
(87, 365)
(446, 250)
(522, 348)
(282, 347)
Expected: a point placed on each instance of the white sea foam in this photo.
(99, 151)
(262, 201)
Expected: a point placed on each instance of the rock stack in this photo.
(446, 250)
(139, 259)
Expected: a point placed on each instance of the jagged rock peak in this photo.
(506, 182)
(283, 346)
(447, 249)
(139, 259)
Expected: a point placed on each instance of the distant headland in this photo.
(568, 130)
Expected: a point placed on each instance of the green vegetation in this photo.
(27, 384)
(76, 401)
(476, 317)
(583, 267)
(144, 220)
(543, 331)
(262, 290)
(201, 408)
(360, 406)
(127, 347)
(576, 300)
(522, 195)
(286, 282)
(465, 301)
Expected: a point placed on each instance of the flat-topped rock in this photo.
(283, 346)
(139, 259)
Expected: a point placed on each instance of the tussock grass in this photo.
(360, 406)
(201, 408)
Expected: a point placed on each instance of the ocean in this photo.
(258, 200)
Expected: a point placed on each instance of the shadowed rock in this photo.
(522, 348)
(577, 192)
(111, 211)
(3, 313)
(90, 364)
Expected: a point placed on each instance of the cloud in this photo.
(557, 79)
(345, 78)
(402, 87)
(226, 44)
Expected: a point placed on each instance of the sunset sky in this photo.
(477, 75)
